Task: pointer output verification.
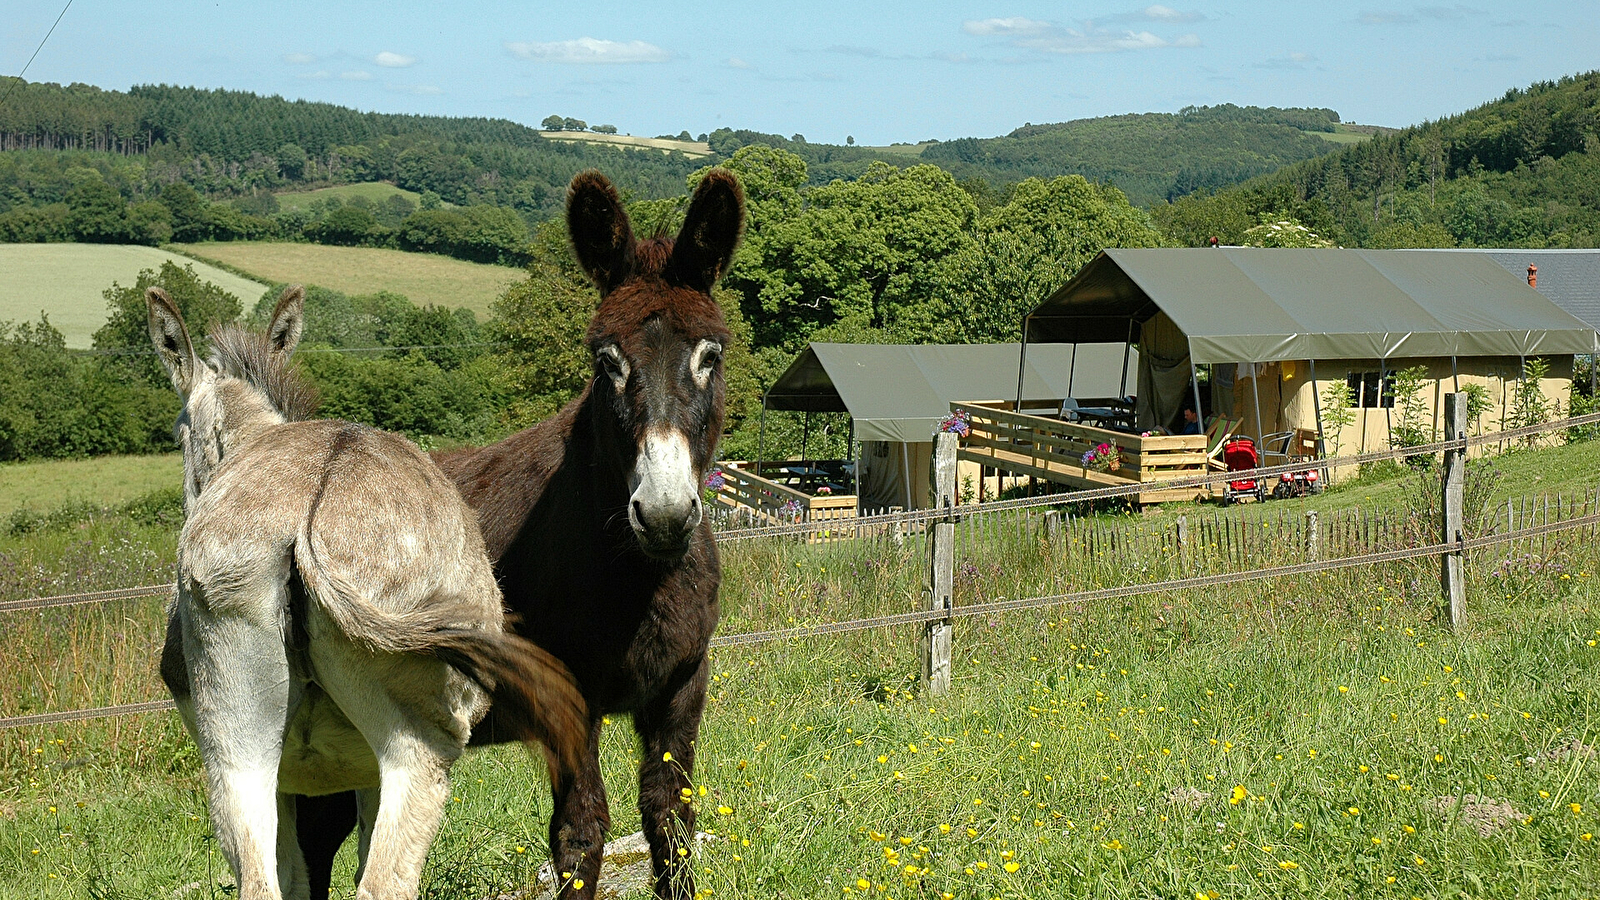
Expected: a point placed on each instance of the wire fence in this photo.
(1209, 549)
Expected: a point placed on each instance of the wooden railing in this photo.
(1053, 449)
(765, 501)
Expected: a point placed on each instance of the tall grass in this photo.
(1319, 735)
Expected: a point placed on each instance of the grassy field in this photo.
(103, 479)
(423, 277)
(691, 149)
(1317, 736)
(66, 281)
(376, 191)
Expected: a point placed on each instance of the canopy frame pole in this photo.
(1388, 411)
(761, 440)
(905, 471)
(1316, 407)
(850, 453)
(805, 432)
(1261, 433)
(1194, 380)
(1022, 365)
(1072, 368)
(1127, 350)
(1455, 373)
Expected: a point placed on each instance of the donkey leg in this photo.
(366, 819)
(292, 879)
(667, 727)
(323, 823)
(239, 686)
(579, 822)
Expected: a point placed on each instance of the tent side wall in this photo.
(1288, 397)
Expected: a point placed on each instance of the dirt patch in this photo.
(1572, 749)
(1484, 815)
(625, 871)
(1188, 797)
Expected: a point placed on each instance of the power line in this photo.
(35, 55)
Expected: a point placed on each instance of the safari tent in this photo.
(896, 396)
(1271, 330)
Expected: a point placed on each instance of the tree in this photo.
(571, 124)
(99, 214)
(202, 304)
(850, 140)
(553, 123)
(604, 129)
(1026, 249)
(349, 226)
(873, 252)
(292, 161)
(540, 323)
(188, 211)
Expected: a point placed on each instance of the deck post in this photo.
(941, 569)
(1452, 584)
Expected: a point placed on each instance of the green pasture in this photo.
(106, 480)
(66, 282)
(424, 278)
(375, 191)
(1318, 736)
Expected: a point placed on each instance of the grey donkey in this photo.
(337, 625)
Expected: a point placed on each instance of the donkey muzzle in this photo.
(664, 506)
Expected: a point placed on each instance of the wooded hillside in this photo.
(1523, 170)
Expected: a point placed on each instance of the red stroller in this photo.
(1239, 454)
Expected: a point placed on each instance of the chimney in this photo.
(1533, 276)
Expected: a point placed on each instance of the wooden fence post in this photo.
(1451, 582)
(1313, 536)
(941, 568)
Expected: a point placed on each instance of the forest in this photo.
(1520, 171)
(896, 252)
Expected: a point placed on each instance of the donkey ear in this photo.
(602, 236)
(710, 232)
(288, 321)
(171, 340)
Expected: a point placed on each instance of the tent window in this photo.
(1364, 390)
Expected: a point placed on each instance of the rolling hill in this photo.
(65, 281)
(1522, 170)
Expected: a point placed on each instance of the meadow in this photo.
(375, 191)
(690, 149)
(66, 282)
(1317, 736)
(424, 278)
(44, 486)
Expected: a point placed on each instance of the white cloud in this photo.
(299, 59)
(1287, 62)
(357, 75)
(1015, 26)
(588, 50)
(1048, 37)
(317, 75)
(425, 90)
(1385, 17)
(1160, 13)
(394, 60)
(735, 62)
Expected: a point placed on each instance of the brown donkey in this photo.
(337, 625)
(593, 517)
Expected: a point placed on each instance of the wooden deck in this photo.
(767, 502)
(1052, 449)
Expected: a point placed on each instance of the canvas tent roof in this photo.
(898, 392)
(1254, 305)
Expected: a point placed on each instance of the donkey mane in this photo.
(246, 355)
(632, 304)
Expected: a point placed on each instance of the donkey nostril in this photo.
(638, 513)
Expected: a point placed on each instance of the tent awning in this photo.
(900, 392)
(1253, 305)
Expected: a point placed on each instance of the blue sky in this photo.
(878, 71)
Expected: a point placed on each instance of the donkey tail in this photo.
(533, 693)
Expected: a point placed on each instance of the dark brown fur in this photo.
(552, 501)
